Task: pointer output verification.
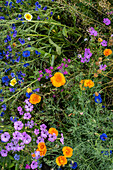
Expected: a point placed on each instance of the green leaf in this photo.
(11, 165)
(64, 31)
(53, 59)
(58, 49)
(11, 157)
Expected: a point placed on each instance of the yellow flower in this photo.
(13, 82)
(28, 16)
(28, 90)
(53, 30)
(58, 17)
(100, 40)
(88, 83)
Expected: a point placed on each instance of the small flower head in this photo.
(107, 52)
(103, 137)
(34, 99)
(58, 79)
(13, 82)
(61, 160)
(28, 16)
(53, 130)
(67, 151)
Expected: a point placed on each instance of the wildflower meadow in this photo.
(56, 84)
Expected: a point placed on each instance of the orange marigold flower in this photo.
(67, 151)
(34, 99)
(88, 83)
(53, 130)
(42, 153)
(61, 160)
(58, 79)
(107, 52)
(41, 146)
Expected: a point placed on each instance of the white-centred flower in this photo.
(28, 16)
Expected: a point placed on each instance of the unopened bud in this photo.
(99, 71)
(95, 75)
(100, 59)
(96, 94)
(97, 63)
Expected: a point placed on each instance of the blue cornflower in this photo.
(38, 17)
(74, 165)
(98, 98)
(14, 33)
(1, 131)
(17, 157)
(5, 79)
(2, 113)
(26, 64)
(39, 6)
(103, 106)
(37, 3)
(1, 57)
(26, 53)
(2, 17)
(103, 137)
(51, 13)
(1, 91)
(12, 90)
(12, 74)
(19, 16)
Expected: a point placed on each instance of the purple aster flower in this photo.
(27, 166)
(104, 43)
(27, 101)
(103, 67)
(18, 125)
(87, 53)
(52, 137)
(4, 106)
(62, 139)
(43, 127)
(34, 164)
(103, 137)
(27, 139)
(27, 116)
(44, 134)
(106, 21)
(5, 137)
(3, 153)
(9, 146)
(30, 124)
(36, 131)
(24, 134)
(39, 139)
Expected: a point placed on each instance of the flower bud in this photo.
(99, 71)
(100, 59)
(96, 94)
(95, 75)
(97, 63)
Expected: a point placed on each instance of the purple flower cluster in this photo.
(104, 43)
(87, 55)
(28, 106)
(92, 31)
(103, 67)
(63, 66)
(106, 21)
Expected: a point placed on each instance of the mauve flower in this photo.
(27, 101)
(5, 137)
(29, 108)
(65, 72)
(69, 60)
(44, 134)
(34, 164)
(21, 112)
(18, 125)
(27, 166)
(64, 59)
(3, 153)
(36, 131)
(104, 43)
(92, 31)
(9, 146)
(17, 135)
(37, 154)
(103, 67)
(106, 21)
(62, 139)
(27, 116)
(52, 137)
(19, 108)
(39, 139)
(87, 53)
(43, 127)
(27, 139)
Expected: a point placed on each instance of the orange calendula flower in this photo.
(88, 83)
(58, 79)
(107, 52)
(41, 146)
(34, 99)
(53, 130)
(61, 160)
(67, 151)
